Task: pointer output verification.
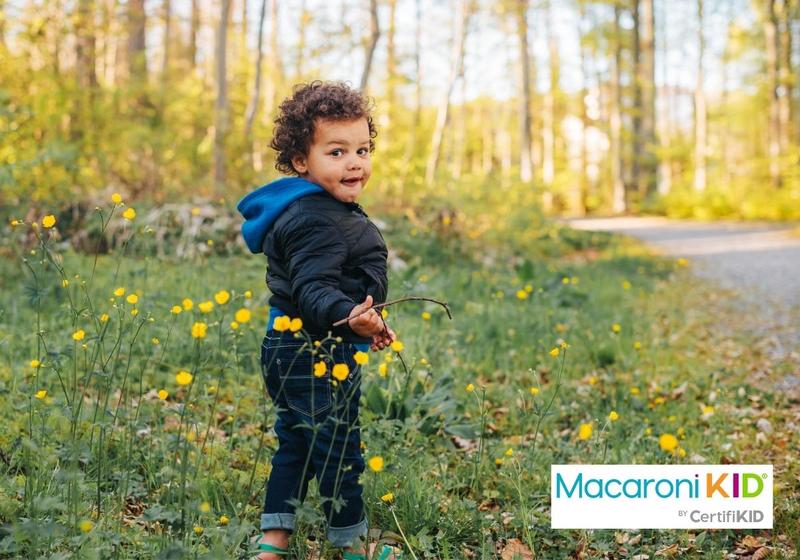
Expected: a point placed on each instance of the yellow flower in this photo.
(585, 431)
(104, 318)
(574, 279)
(85, 526)
(295, 324)
(397, 346)
(469, 388)
(616, 328)
(528, 288)
(682, 262)
(361, 358)
(187, 304)
(509, 452)
(426, 316)
(668, 442)
(561, 328)
(384, 313)
(129, 214)
(648, 431)
(637, 345)
(320, 369)
(183, 377)
(119, 292)
(163, 394)
(243, 315)
(626, 285)
(234, 325)
(522, 294)
(248, 294)
(15, 223)
(199, 330)
(534, 391)
(133, 299)
(382, 370)
(593, 380)
(376, 463)
(387, 358)
(564, 345)
(387, 498)
(223, 520)
(340, 371)
(195, 211)
(205, 306)
(198, 530)
(176, 309)
(554, 352)
(281, 323)
(64, 283)
(155, 340)
(707, 409)
(116, 198)
(634, 391)
(49, 221)
(681, 452)
(499, 461)
(41, 394)
(78, 335)
(204, 507)
(222, 297)
(35, 363)
(134, 312)
(613, 416)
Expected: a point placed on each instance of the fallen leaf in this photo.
(515, 549)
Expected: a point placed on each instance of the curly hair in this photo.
(294, 125)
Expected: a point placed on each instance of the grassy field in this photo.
(563, 347)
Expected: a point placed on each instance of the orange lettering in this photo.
(712, 486)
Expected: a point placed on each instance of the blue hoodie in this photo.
(262, 207)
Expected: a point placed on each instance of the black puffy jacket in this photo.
(324, 256)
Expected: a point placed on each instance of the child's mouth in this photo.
(351, 182)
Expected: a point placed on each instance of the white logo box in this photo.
(661, 496)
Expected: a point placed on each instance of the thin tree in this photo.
(462, 19)
(700, 119)
(647, 66)
(770, 25)
(618, 194)
(252, 107)
(549, 115)
(221, 106)
(372, 42)
(166, 11)
(521, 18)
(137, 57)
(194, 29)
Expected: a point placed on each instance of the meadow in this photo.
(136, 422)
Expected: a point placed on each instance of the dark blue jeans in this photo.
(318, 434)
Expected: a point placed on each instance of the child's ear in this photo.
(299, 164)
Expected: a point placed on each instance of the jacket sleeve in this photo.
(315, 252)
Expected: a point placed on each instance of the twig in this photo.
(388, 303)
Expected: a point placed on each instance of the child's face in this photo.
(338, 158)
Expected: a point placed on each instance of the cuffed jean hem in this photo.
(344, 536)
(277, 521)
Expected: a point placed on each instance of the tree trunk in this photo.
(413, 134)
(460, 130)
(649, 162)
(700, 119)
(86, 77)
(276, 63)
(549, 117)
(525, 166)
(392, 78)
(221, 106)
(2, 24)
(137, 56)
(167, 39)
(305, 19)
(664, 118)
(774, 129)
(785, 75)
(372, 42)
(619, 200)
(459, 39)
(194, 28)
(252, 107)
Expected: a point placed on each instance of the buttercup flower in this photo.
(119, 292)
(116, 198)
(163, 394)
(78, 335)
(64, 283)
(361, 358)
(509, 452)
(340, 371)
(585, 431)
(223, 519)
(383, 370)
(199, 330)
(426, 316)
(248, 294)
(469, 388)
(667, 442)
(397, 346)
(133, 299)
(198, 530)
(295, 324)
(35, 363)
(243, 315)
(613, 416)
(387, 498)
(384, 313)
(376, 463)
(183, 377)
(187, 304)
(129, 214)
(205, 306)
(320, 369)
(41, 394)
(234, 325)
(222, 297)
(555, 351)
(637, 345)
(281, 323)
(534, 391)
(176, 309)
(616, 328)
(104, 317)
(49, 221)
(522, 294)
(85, 526)
(204, 507)
(626, 285)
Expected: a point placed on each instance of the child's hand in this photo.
(383, 339)
(367, 324)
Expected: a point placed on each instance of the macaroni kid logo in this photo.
(661, 496)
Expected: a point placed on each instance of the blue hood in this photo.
(262, 207)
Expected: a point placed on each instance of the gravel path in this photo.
(761, 262)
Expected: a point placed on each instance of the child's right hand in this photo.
(367, 324)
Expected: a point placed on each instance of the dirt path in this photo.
(760, 262)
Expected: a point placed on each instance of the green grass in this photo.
(103, 437)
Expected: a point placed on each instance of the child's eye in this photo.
(363, 151)
(336, 152)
